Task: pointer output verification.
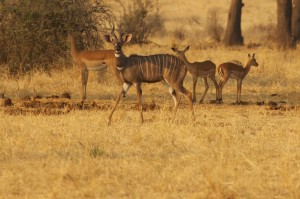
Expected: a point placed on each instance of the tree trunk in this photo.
(284, 23)
(233, 33)
(296, 20)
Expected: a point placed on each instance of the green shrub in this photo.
(141, 18)
(33, 33)
(213, 27)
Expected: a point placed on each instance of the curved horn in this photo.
(121, 33)
(113, 32)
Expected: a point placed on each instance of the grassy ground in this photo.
(230, 151)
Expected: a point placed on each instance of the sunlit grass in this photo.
(230, 151)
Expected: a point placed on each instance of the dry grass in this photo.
(228, 152)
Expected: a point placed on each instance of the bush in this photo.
(213, 27)
(33, 33)
(141, 18)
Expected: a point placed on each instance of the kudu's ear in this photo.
(108, 38)
(127, 38)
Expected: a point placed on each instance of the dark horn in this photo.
(112, 33)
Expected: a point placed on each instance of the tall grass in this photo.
(228, 152)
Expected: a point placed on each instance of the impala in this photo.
(199, 69)
(92, 61)
(154, 68)
(231, 70)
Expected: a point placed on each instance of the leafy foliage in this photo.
(213, 27)
(141, 18)
(33, 33)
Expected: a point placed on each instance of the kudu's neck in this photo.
(121, 60)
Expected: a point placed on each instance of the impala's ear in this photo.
(186, 49)
(253, 55)
(127, 38)
(249, 55)
(174, 49)
(107, 39)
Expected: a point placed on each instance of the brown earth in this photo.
(56, 105)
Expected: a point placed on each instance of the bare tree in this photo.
(296, 20)
(233, 32)
(284, 23)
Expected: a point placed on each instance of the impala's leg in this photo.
(125, 88)
(84, 79)
(195, 78)
(239, 90)
(206, 89)
(139, 100)
(221, 85)
(213, 78)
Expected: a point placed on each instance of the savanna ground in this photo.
(51, 148)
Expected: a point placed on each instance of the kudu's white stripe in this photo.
(140, 64)
(152, 65)
(167, 65)
(156, 66)
(160, 66)
(171, 65)
(147, 68)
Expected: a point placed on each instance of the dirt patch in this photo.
(55, 105)
(59, 105)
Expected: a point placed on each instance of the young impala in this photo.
(231, 70)
(154, 68)
(89, 60)
(199, 69)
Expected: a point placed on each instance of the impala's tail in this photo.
(220, 71)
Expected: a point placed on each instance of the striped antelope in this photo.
(87, 60)
(231, 70)
(154, 68)
(199, 69)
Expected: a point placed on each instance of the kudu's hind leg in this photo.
(177, 99)
(125, 88)
(195, 78)
(139, 100)
(188, 96)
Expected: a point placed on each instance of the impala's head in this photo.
(252, 60)
(118, 42)
(180, 53)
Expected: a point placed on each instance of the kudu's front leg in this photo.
(125, 88)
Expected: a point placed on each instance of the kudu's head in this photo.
(252, 60)
(117, 42)
(180, 53)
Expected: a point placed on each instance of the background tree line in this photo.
(288, 23)
(33, 33)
